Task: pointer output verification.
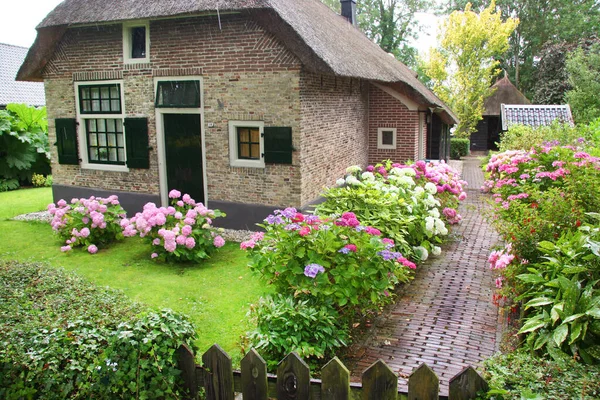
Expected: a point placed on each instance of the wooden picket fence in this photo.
(293, 382)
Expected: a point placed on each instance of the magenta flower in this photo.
(92, 249)
(154, 255)
(85, 232)
(304, 231)
(64, 249)
(249, 244)
(190, 242)
(351, 247)
(174, 194)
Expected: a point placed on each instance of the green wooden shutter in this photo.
(66, 141)
(136, 139)
(278, 145)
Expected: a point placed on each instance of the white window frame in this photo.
(380, 144)
(127, 27)
(82, 134)
(234, 161)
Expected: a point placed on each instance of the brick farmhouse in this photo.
(247, 105)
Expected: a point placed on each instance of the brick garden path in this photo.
(445, 317)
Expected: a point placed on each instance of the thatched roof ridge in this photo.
(505, 93)
(324, 41)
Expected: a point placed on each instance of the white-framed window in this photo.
(386, 138)
(246, 144)
(136, 42)
(100, 114)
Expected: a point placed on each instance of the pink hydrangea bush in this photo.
(338, 260)
(89, 223)
(180, 232)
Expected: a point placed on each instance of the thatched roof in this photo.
(324, 41)
(506, 93)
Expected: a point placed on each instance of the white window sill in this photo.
(386, 147)
(105, 167)
(247, 164)
(136, 60)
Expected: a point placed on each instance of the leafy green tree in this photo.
(24, 147)
(389, 23)
(584, 77)
(462, 67)
(542, 23)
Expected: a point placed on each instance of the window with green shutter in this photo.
(278, 145)
(66, 141)
(136, 133)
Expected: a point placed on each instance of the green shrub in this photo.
(285, 323)
(520, 137)
(87, 223)
(521, 375)
(39, 180)
(24, 147)
(459, 147)
(62, 337)
(8, 184)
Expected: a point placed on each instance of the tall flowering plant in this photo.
(88, 223)
(180, 232)
(334, 261)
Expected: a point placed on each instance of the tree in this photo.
(389, 23)
(542, 23)
(461, 69)
(584, 77)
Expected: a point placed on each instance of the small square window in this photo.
(386, 138)
(246, 144)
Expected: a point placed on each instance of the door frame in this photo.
(160, 137)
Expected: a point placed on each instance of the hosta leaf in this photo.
(594, 351)
(573, 317)
(594, 312)
(538, 301)
(560, 334)
(541, 341)
(554, 314)
(531, 278)
(575, 332)
(533, 324)
(574, 270)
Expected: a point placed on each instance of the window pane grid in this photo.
(248, 143)
(100, 99)
(105, 141)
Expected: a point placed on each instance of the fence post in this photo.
(293, 378)
(423, 384)
(187, 365)
(466, 384)
(218, 378)
(335, 381)
(379, 382)
(254, 376)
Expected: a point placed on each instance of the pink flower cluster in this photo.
(89, 214)
(500, 259)
(254, 239)
(172, 226)
(446, 178)
(452, 216)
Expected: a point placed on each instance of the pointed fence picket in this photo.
(293, 381)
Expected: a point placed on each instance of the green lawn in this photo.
(215, 294)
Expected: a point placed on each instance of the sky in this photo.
(19, 18)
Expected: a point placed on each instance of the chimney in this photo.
(349, 10)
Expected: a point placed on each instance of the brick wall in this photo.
(247, 75)
(386, 111)
(334, 114)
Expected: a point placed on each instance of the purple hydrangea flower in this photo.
(389, 255)
(344, 250)
(311, 270)
(292, 227)
(289, 212)
(274, 219)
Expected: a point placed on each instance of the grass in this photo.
(215, 294)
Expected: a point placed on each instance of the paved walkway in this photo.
(445, 317)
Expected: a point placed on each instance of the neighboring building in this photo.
(245, 104)
(11, 91)
(535, 115)
(488, 130)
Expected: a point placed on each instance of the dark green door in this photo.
(183, 146)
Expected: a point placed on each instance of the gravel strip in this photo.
(40, 216)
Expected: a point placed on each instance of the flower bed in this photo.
(544, 204)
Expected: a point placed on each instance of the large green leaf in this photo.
(560, 334)
(538, 301)
(533, 324)
(531, 278)
(594, 312)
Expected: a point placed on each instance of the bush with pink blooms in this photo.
(338, 266)
(180, 232)
(410, 204)
(89, 223)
